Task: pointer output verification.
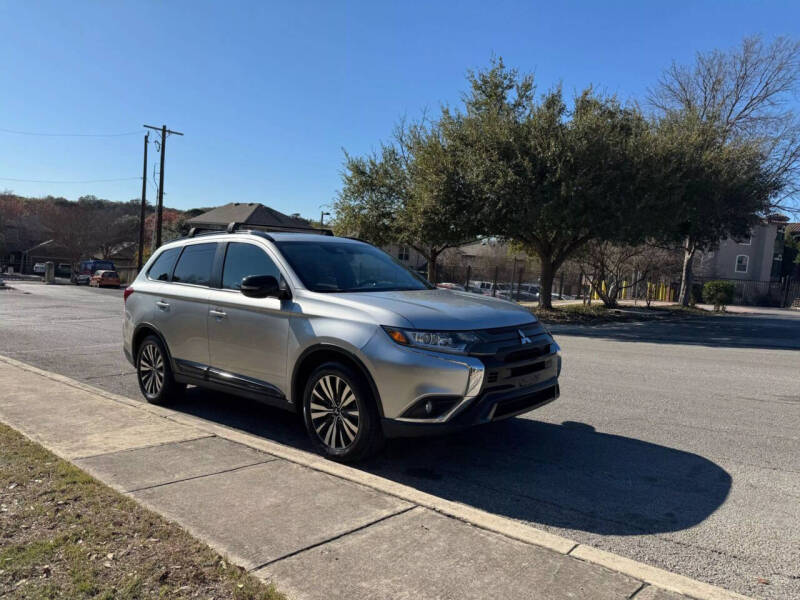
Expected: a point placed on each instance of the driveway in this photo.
(675, 443)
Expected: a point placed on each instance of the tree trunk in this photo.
(432, 274)
(684, 297)
(546, 291)
(610, 297)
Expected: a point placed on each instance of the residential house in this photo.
(20, 237)
(481, 256)
(793, 231)
(407, 255)
(252, 213)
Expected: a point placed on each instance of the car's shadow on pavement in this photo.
(568, 475)
(752, 331)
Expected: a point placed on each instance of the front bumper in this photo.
(489, 406)
(519, 370)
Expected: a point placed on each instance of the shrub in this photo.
(718, 293)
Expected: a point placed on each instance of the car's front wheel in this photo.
(340, 413)
(154, 372)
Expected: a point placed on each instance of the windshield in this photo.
(348, 267)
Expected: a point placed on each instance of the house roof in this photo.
(251, 213)
(24, 232)
(792, 229)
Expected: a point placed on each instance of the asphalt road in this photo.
(676, 444)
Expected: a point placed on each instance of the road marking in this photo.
(655, 576)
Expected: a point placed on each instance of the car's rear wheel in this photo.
(340, 413)
(154, 373)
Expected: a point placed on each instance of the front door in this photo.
(248, 336)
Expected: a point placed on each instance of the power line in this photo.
(73, 181)
(38, 134)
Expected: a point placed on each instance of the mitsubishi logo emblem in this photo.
(523, 339)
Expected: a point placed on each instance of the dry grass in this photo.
(65, 535)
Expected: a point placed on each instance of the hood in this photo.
(443, 310)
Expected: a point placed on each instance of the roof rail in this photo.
(236, 226)
(194, 231)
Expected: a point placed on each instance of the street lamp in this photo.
(322, 217)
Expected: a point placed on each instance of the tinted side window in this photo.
(194, 265)
(243, 260)
(162, 267)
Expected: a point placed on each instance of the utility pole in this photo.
(144, 206)
(160, 210)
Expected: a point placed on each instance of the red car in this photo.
(104, 279)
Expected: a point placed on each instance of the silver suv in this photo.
(335, 330)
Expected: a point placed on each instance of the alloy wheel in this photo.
(151, 369)
(334, 412)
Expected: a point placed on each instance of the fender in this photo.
(344, 353)
(154, 329)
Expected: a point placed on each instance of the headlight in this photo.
(456, 342)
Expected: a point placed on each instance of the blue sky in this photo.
(268, 94)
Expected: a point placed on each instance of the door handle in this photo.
(218, 313)
(162, 305)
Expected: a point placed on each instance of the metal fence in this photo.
(517, 279)
(782, 293)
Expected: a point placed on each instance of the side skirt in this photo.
(230, 383)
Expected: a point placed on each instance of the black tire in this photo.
(154, 373)
(337, 430)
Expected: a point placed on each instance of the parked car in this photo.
(39, 269)
(482, 287)
(527, 292)
(62, 270)
(84, 270)
(336, 331)
(451, 286)
(104, 279)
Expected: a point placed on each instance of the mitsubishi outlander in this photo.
(334, 329)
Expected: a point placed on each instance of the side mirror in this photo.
(260, 286)
(263, 286)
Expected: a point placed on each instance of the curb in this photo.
(478, 518)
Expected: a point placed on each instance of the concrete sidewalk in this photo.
(315, 528)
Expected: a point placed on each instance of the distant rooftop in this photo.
(252, 213)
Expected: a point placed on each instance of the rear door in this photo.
(181, 308)
(248, 336)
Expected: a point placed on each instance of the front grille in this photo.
(509, 362)
(529, 368)
(504, 339)
(527, 354)
(526, 402)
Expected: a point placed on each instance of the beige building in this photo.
(757, 257)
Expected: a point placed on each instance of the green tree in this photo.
(743, 95)
(548, 176)
(410, 192)
(710, 189)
